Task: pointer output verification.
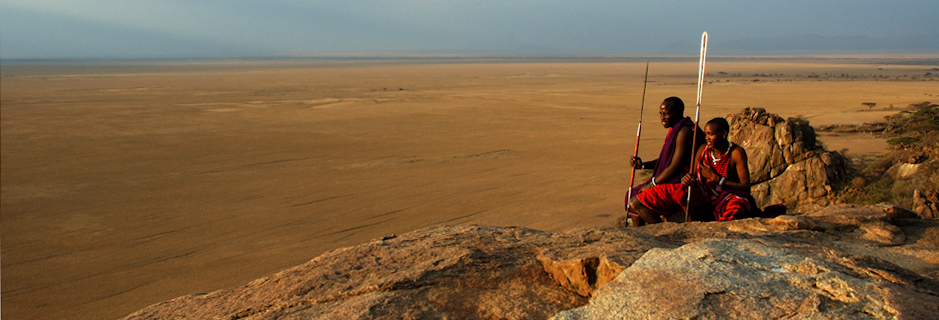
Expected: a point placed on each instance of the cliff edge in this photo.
(843, 261)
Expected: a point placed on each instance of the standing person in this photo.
(675, 156)
(720, 184)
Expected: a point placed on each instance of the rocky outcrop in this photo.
(916, 172)
(473, 272)
(787, 164)
(875, 262)
(926, 205)
(908, 174)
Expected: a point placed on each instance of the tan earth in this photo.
(127, 184)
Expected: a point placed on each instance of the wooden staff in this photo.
(632, 177)
(697, 112)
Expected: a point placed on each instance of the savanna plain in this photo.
(129, 183)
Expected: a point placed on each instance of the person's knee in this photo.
(635, 203)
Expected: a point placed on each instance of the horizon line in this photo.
(390, 56)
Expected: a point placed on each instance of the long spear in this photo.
(632, 177)
(697, 112)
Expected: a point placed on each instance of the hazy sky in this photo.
(231, 28)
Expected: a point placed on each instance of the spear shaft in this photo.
(632, 176)
(697, 112)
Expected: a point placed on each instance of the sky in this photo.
(103, 29)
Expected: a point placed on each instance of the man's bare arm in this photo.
(691, 177)
(637, 163)
(739, 159)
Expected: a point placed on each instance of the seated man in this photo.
(675, 156)
(720, 186)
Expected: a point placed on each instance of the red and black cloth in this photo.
(707, 196)
(668, 151)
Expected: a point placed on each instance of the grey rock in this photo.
(744, 279)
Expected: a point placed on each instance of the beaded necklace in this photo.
(715, 160)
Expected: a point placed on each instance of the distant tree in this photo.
(870, 105)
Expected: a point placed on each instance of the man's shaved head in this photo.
(671, 111)
(674, 104)
(720, 124)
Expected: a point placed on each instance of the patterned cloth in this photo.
(728, 203)
(706, 196)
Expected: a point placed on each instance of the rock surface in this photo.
(928, 206)
(787, 164)
(843, 261)
(745, 279)
(921, 174)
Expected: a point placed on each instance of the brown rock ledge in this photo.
(841, 261)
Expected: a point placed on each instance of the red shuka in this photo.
(706, 196)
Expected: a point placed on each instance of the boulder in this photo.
(916, 173)
(787, 164)
(745, 279)
(927, 206)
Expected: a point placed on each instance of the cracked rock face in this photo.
(844, 261)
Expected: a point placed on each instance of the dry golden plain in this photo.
(128, 183)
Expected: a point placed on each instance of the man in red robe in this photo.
(675, 156)
(720, 185)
